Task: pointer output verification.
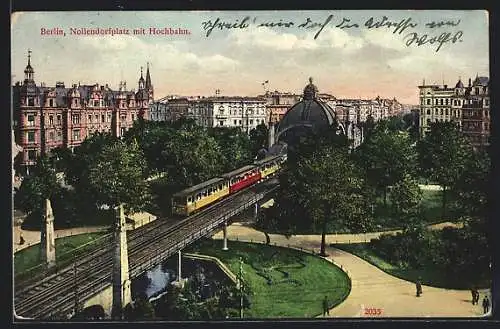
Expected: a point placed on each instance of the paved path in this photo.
(247, 233)
(371, 287)
(33, 237)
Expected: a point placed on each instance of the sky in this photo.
(355, 62)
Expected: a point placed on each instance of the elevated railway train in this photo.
(194, 198)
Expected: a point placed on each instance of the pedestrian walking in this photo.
(21, 239)
(419, 288)
(475, 296)
(325, 306)
(486, 304)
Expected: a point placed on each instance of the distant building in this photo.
(222, 111)
(468, 106)
(49, 117)
(277, 103)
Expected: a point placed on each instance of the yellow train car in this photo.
(269, 166)
(196, 197)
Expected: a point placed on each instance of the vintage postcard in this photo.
(228, 165)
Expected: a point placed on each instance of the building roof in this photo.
(195, 188)
(268, 158)
(313, 111)
(480, 81)
(238, 171)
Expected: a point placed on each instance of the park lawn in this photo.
(28, 258)
(431, 211)
(428, 276)
(298, 295)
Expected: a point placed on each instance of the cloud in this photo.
(265, 37)
(339, 39)
(131, 50)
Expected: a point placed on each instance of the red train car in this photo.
(242, 177)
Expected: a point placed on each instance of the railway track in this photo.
(56, 293)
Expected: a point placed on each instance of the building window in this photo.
(235, 122)
(447, 111)
(32, 155)
(30, 136)
(221, 123)
(90, 118)
(75, 118)
(428, 101)
(31, 120)
(440, 101)
(441, 111)
(428, 112)
(51, 136)
(96, 103)
(436, 111)
(51, 120)
(221, 111)
(251, 122)
(133, 117)
(59, 136)
(239, 122)
(59, 119)
(486, 102)
(76, 135)
(428, 121)
(51, 102)
(122, 131)
(31, 101)
(109, 117)
(123, 118)
(262, 121)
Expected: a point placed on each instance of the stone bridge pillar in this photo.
(121, 281)
(179, 266)
(224, 241)
(270, 136)
(48, 246)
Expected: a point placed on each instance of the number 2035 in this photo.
(373, 311)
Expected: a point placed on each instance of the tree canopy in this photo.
(443, 155)
(118, 177)
(387, 156)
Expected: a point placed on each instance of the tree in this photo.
(443, 156)
(85, 155)
(41, 184)
(192, 157)
(140, 309)
(470, 191)
(258, 138)
(234, 145)
(151, 138)
(117, 177)
(61, 158)
(406, 197)
(387, 156)
(328, 187)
